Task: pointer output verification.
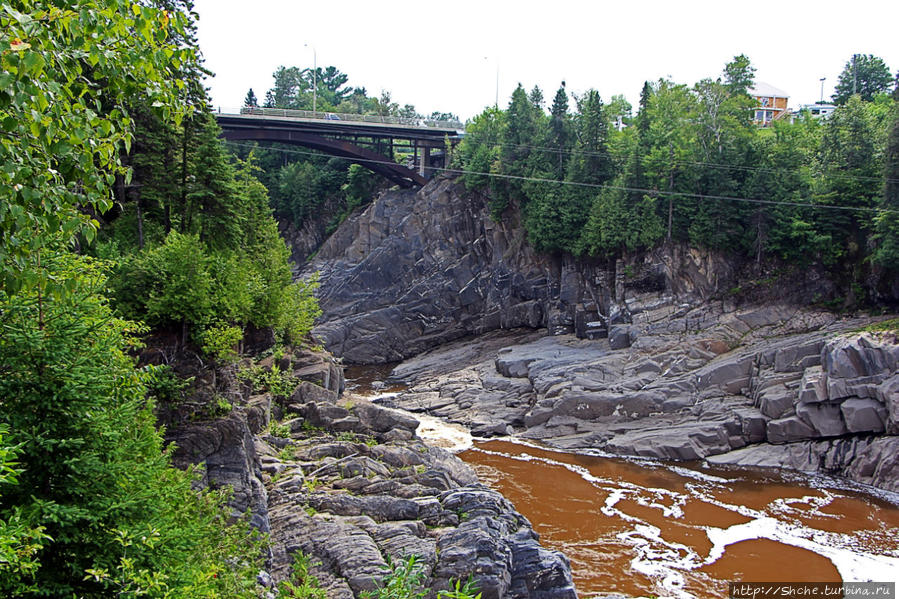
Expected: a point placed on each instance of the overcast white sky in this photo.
(443, 55)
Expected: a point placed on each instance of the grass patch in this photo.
(884, 326)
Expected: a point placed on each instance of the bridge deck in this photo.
(342, 124)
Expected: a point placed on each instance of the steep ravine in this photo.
(650, 356)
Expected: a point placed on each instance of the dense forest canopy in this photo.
(119, 207)
(692, 167)
(598, 179)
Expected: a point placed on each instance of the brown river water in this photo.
(653, 529)
(645, 528)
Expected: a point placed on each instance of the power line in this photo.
(653, 192)
(717, 165)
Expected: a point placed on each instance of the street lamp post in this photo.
(496, 99)
(822, 89)
(314, 78)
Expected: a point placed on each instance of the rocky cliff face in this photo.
(418, 269)
(650, 356)
(349, 485)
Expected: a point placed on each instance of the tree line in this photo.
(119, 211)
(691, 166)
(301, 182)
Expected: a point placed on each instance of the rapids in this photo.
(641, 527)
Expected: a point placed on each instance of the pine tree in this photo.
(560, 132)
(864, 74)
(886, 235)
(250, 100)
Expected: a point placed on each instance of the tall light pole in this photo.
(314, 78)
(822, 90)
(496, 99)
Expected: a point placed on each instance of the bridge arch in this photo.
(378, 163)
(335, 135)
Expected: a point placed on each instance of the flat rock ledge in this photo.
(352, 485)
(348, 484)
(771, 385)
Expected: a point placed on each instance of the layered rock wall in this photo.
(418, 269)
(349, 485)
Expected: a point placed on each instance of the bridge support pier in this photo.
(424, 160)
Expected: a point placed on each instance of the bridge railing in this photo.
(342, 116)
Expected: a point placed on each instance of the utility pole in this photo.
(854, 74)
(314, 78)
(496, 99)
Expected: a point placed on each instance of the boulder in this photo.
(864, 415)
(825, 418)
(729, 373)
(622, 336)
(786, 430)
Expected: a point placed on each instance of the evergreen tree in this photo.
(560, 132)
(250, 100)
(589, 164)
(864, 74)
(536, 98)
(852, 167)
(590, 161)
(886, 227)
(519, 133)
(739, 75)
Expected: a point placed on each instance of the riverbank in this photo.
(346, 486)
(771, 386)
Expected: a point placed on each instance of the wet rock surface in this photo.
(696, 382)
(349, 497)
(348, 484)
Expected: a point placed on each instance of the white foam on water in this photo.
(852, 565)
(660, 560)
(438, 433)
(666, 562)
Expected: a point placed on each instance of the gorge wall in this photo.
(417, 269)
(676, 353)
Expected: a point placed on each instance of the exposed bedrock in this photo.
(651, 356)
(352, 486)
(784, 386)
(348, 484)
(418, 269)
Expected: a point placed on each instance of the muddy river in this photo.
(653, 529)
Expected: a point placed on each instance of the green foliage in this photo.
(301, 583)
(403, 580)
(19, 541)
(479, 150)
(67, 70)
(186, 282)
(461, 590)
(669, 175)
(865, 75)
(359, 187)
(164, 385)
(288, 452)
(92, 463)
(272, 380)
(886, 225)
(97, 510)
(890, 326)
(219, 342)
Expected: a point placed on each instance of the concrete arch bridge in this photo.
(364, 139)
